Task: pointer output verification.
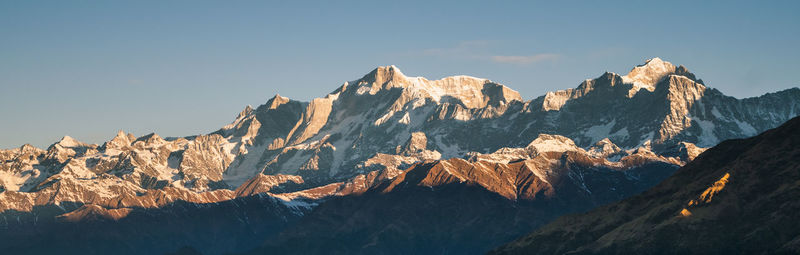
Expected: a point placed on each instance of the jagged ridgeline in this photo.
(739, 197)
(609, 138)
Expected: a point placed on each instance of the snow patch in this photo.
(405, 119)
(646, 76)
(597, 133)
(707, 138)
(547, 143)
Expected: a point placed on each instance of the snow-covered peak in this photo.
(654, 61)
(276, 101)
(690, 150)
(604, 148)
(119, 141)
(68, 141)
(151, 139)
(647, 75)
(547, 143)
(247, 111)
(470, 91)
(28, 148)
(384, 74)
(604, 142)
(396, 70)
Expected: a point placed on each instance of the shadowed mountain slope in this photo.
(738, 197)
(378, 139)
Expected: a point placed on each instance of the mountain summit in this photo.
(331, 138)
(388, 133)
(738, 197)
(468, 91)
(646, 76)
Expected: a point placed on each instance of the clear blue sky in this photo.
(89, 68)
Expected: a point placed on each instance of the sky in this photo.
(177, 68)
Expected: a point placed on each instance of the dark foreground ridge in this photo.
(739, 197)
(384, 164)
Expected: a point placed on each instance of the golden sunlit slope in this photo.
(739, 197)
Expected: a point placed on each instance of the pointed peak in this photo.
(27, 148)
(275, 101)
(150, 138)
(392, 68)
(383, 74)
(119, 141)
(608, 78)
(604, 148)
(68, 141)
(277, 97)
(247, 111)
(650, 72)
(683, 71)
(603, 142)
(545, 143)
(122, 137)
(609, 75)
(647, 75)
(655, 61)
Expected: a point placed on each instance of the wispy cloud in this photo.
(524, 60)
(481, 50)
(464, 49)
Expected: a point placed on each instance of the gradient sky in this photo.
(177, 68)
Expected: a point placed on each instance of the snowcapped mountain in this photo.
(332, 137)
(374, 133)
(467, 206)
(737, 197)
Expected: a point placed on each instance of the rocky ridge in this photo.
(369, 134)
(737, 197)
(410, 119)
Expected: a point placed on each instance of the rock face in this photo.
(738, 197)
(385, 112)
(547, 164)
(467, 206)
(657, 103)
(586, 146)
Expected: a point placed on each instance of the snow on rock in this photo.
(69, 142)
(604, 148)
(385, 123)
(552, 143)
(598, 132)
(647, 75)
(265, 183)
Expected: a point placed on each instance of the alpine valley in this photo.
(385, 164)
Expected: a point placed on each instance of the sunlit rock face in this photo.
(368, 134)
(550, 163)
(737, 197)
(656, 103)
(389, 121)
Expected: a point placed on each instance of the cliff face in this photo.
(331, 139)
(738, 197)
(583, 147)
(467, 206)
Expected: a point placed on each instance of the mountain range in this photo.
(383, 164)
(739, 197)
